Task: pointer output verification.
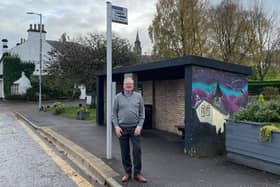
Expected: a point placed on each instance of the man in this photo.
(128, 118)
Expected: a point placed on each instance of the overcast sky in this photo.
(78, 17)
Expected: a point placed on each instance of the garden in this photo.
(79, 112)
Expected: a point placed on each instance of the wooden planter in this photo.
(243, 146)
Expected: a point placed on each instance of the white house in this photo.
(21, 85)
(28, 50)
(4, 48)
(1, 80)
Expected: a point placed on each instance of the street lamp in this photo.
(40, 59)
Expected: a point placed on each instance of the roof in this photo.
(55, 44)
(22, 80)
(59, 45)
(137, 37)
(3, 55)
(181, 61)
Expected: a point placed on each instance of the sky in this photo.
(79, 17)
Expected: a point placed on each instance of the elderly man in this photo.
(128, 118)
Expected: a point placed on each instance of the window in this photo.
(14, 89)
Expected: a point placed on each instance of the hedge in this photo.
(256, 87)
(50, 90)
(13, 67)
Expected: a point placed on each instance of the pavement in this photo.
(164, 163)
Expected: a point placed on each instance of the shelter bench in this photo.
(181, 128)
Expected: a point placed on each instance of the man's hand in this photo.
(137, 131)
(118, 131)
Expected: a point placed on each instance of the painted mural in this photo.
(226, 91)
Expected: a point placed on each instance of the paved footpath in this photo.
(164, 163)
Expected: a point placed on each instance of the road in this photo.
(26, 160)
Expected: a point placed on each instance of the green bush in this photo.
(266, 132)
(49, 91)
(266, 111)
(269, 111)
(261, 99)
(58, 108)
(32, 94)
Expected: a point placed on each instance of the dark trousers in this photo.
(127, 136)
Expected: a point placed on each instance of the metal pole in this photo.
(40, 73)
(109, 82)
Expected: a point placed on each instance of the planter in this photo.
(243, 146)
(81, 115)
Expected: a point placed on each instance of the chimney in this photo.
(5, 45)
(33, 32)
(36, 28)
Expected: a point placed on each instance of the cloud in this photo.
(75, 18)
(79, 17)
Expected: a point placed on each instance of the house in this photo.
(4, 52)
(28, 50)
(172, 88)
(21, 85)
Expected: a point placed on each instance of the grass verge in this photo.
(71, 112)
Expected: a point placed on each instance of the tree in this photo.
(76, 61)
(265, 34)
(229, 27)
(179, 28)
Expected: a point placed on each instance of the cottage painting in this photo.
(209, 113)
(226, 91)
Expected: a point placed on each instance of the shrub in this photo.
(270, 92)
(261, 99)
(16, 97)
(82, 108)
(48, 91)
(266, 132)
(31, 94)
(264, 111)
(268, 111)
(59, 108)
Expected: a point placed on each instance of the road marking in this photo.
(66, 168)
